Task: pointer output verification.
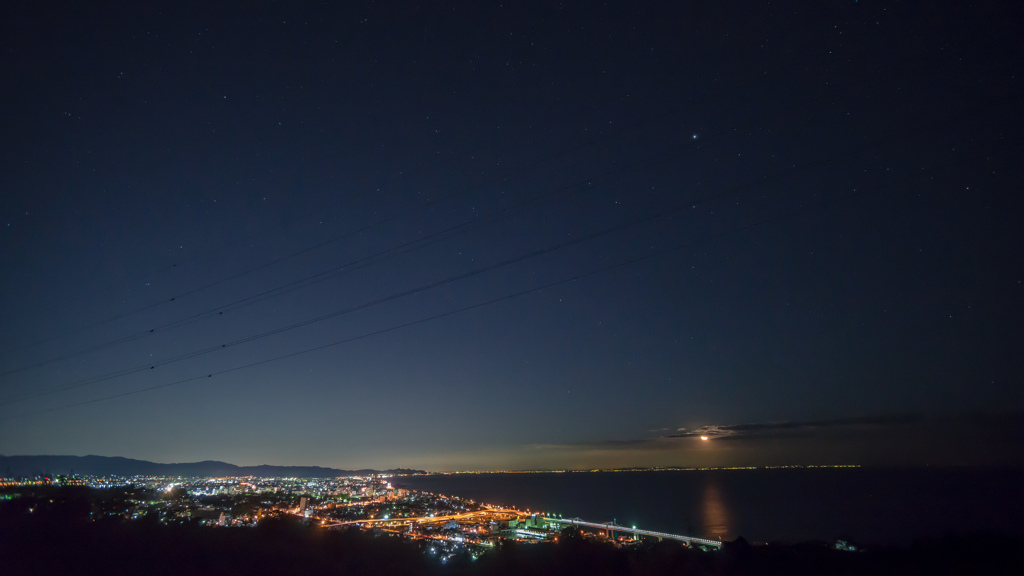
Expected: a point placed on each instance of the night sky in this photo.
(471, 236)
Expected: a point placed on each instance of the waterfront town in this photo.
(365, 524)
(445, 526)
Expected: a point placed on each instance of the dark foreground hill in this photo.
(30, 466)
(50, 530)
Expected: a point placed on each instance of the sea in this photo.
(869, 506)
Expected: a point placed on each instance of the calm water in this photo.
(893, 506)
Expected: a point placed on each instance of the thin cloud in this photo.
(955, 439)
(792, 428)
(991, 425)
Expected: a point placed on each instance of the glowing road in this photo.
(432, 519)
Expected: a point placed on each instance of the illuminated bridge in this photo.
(611, 528)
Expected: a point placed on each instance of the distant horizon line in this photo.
(447, 472)
(414, 471)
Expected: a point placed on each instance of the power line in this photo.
(363, 261)
(574, 278)
(895, 74)
(429, 286)
(394, 217)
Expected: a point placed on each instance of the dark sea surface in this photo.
(865, 505)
